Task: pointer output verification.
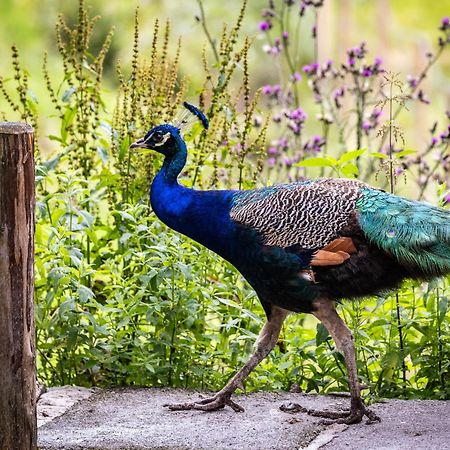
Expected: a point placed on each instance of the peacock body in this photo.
(272, 234)
(300, 243)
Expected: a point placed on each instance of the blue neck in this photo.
(174, 164)
(201, 215)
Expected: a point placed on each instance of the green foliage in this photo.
(120, 299)
(343, 167)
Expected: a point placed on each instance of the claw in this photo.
(291, 407)
(329, 414)
(348, 417)
(208, 404)
(351, 416)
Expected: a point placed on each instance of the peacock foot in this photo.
(291, 407)
(355, 415)
(351, 416)
(218, 401)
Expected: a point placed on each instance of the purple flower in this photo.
(271, 162)
(283, 143)
(422, 97)
(366, 72)
(298, 115)
(285, 35)
(272, 150)
(356, 52)
(287, 162)
(376, 113)
(264, 26)
(296, 77)
(445, 24)
(311, 69)
(447, 198)
(339, 92)
(267, 89)
(366, 125)
(434, 141)
(412, 81)
(378, 61)
(317, 139)
(315, 144)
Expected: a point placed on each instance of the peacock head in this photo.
(162, 138)
(166, 138)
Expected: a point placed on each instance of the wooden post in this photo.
(17, 342)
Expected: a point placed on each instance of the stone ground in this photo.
(124, 418)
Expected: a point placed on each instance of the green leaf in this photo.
(321, 334)
(84, 293)
(103, 153)
(350, 170)
(379, 155)
(443, 308)
(405, 153)
(67, 120)
(127, 216)
(285, 365)
(351, 155)
(317, 162)
(124, 147)
(68, 93)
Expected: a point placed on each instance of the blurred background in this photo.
(114, 288)
(400, 33)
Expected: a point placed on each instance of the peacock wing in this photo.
(415, 233)
(305, 216)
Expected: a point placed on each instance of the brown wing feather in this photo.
(344, 244)
(335, 253)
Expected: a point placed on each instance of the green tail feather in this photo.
(417, 234)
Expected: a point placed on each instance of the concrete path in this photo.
(135, 419)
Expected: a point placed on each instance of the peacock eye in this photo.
(157, 136)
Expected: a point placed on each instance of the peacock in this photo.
(302, 246)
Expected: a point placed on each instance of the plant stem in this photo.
(439, 340)
(422, 76)
(391, 165)
(392, 189)
(206, 31)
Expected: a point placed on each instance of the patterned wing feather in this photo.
(308, 215)
(416, 234)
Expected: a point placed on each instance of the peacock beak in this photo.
(140, 143)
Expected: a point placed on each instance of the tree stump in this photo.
(17, 341)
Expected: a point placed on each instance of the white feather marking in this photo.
(163, 140)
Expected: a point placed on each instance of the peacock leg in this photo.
(327, 314)
(264, 344)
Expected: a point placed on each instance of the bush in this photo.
(120, 299)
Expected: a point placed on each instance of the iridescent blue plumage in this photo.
(271, 235)
(302, 246)
(197, 113)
